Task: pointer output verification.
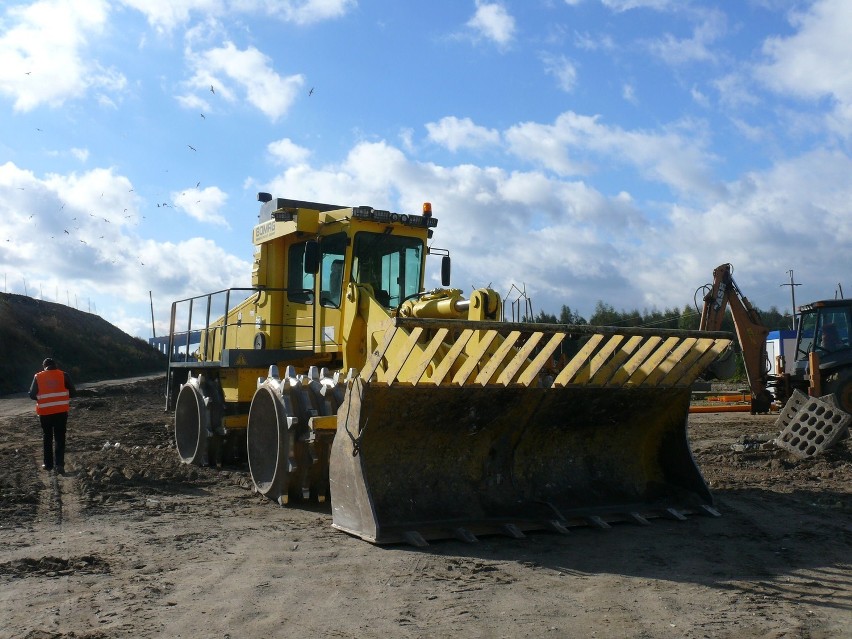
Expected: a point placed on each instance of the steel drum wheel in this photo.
(190, 440)
(268, 443)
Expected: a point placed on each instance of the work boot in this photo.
(60, 470)
(46, 467)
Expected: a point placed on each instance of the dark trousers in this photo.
(53, 427)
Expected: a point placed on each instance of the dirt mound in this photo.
(85, 345)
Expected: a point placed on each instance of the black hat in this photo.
(48, 363)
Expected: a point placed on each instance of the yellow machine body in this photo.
(424, 414)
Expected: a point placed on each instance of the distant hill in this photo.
(85, 345)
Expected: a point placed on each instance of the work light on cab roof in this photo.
(379, 215)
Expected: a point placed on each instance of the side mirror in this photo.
(445, 270)
(312, 257)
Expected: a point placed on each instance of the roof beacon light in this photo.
(427, 209)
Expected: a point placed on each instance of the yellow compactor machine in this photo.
(423, 414)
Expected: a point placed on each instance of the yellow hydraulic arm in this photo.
(750, 330)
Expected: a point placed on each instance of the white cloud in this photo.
(563, 69)
(165, 15)
(676, 156)
(251, 71)
(817, 60)
(770, 222)
(285, 151)
(589, 42)
(492, 22)
(454, 134)
(735, 90)
(712, 24)
(43, 53)
(310, 11)
(627, 5)
(203, 205)
(501, 227)
(194, 102)
(76, 236)
(698, 97)
(80, 154)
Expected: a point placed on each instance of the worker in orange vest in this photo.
(52, 389)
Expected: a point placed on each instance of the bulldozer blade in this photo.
(424, 461)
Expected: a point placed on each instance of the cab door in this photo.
(330, 279)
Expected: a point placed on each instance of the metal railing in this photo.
(216, 307)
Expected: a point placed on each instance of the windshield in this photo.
(391, 264)
(807, 328)
(826, 329)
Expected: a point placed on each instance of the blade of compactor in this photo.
(481, 446)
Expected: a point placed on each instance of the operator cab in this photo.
(825, 328)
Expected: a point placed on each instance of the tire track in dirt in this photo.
(59, 502)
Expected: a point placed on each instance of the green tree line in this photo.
(687, 318)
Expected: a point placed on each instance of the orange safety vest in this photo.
(52, 396)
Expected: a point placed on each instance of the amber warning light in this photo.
(427, 209)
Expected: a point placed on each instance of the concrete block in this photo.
(810, 425)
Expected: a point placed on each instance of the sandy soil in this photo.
(130, 543)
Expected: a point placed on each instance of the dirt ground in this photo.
(130, 543)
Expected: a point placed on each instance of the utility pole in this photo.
(792, 286)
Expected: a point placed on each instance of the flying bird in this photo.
(197, 184)
(202, 117)
(191, 147)
(211, 89)
(66, 232)
(311, 92)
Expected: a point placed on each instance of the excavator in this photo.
(823, 356)
(420, 413)
(751, 334)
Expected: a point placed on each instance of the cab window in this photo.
(390, 264)
(300, 285)
(333, 250)
(834, 329)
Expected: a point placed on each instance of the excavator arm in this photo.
(751, 333)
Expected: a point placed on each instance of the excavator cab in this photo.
(825, 330)
(823, 327)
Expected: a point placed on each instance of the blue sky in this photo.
(580, 150)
